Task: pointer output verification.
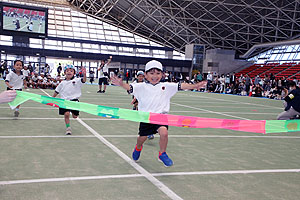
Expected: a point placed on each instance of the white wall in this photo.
(223, 61)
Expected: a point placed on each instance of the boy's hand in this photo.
(201, 84)
(133, 100)
(83, 69)
(116, 81)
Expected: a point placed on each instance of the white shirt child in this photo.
(26, 72)
(15, 80)
(154, 98)
(70, 89)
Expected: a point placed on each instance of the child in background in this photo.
(92, 74)
(70, 89)
(15, 80)
(154, 96)
(139, 79)
(35, 80)
(26, 74)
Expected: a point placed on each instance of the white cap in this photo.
(153, 64)
(140, 73)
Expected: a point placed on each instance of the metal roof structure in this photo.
(226, 24)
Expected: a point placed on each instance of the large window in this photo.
(67, 23)
(280, 54)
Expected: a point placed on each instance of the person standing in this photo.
(103, 75)
(59, 69)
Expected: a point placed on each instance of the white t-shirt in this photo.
(15, 80)
(70, 89)
(34, 78)
(209, 77)
(102, 70)
(45, 80)
(26, 72)
(154, 98)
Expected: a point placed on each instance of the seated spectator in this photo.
(242, 89)
(257, 91)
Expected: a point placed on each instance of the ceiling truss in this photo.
(226, 24)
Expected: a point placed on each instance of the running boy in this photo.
(154, 96)
(15, 81)
(70, 89)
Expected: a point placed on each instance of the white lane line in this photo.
(34, 108)
(211, 136)
(225, 106)
(157, 136)
(47, 180)
(41, 118)
(49, 136)
(238, 102)
(209, 111)
(137, 167)
(174, 111)
(140, 169)
(45, 93)
(229, 172)
(235, 136)
(186, 111)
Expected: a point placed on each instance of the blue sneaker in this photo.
(136, 153)
(164, 158)
(151, 137)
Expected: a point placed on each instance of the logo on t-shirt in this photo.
(163, 87)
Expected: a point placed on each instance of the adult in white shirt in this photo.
(103, 75)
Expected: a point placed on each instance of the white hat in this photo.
(153, 64)
(140, 73)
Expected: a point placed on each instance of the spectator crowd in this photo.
(268, 86)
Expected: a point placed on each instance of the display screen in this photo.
(24, 19)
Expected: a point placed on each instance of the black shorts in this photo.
(62, 110)
(13, 89)
(103, 80)
(146, 129)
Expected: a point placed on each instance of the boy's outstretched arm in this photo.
(186, 86)
(119, 82)
(84, 74)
